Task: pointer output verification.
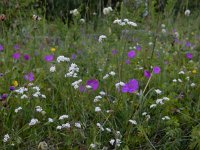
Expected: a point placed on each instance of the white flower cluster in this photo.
(33, 122)
(18, 109)
(133, 122)
(101, 37)
(75, 84)
(112, 73)
(163, 28)
(74, 12)
(38, 109)
(97, 98)
(100, 126)
(21, 90)
(73, 70)
(37, 93)
(50, 120)
(97, 109)
(187, 12)
(159, 101)
(62, 59)
(63, 117)
(52, 69)
(117, 85)
(146, 115)
(6, 138)
(116, 142)
(125, 22)
(107, 10)
(67, 126)
(166, 118)
(158, 91)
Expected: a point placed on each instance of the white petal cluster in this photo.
(125, 22)
(6, 138)
(77, 124)
(62, 59)
(38, 109)
(97, 109)
(101, 37)
(76, 84)
(107, 10)
(50, 120)
(97, 98)
(100, 126)
(117, 85)
(72, 71)
(52, 69)
(74, 12)
(63, 117)
(18, 109)
(33, 122)
(187, 12)
(21, 90)
(132, 122)
(158, 91)
(116, 142)
(166, 118)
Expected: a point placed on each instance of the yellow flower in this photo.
(53, 49)
(194, 71)
(15, 83)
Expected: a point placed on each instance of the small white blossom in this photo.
(166, 118)
(133, 122)
(24, 96)
(174, 80)
(158, 91)
(179, 80)
(187, 12)
(63, 117)
(112, 141)
(38, 109)
(108, 129)
(181, 72)
(66, 125)
(144, 113)
(159, 101)
(112, 73)
(153, 105)
(102, 93)
(59, 127)
(50, 120)
(92, 145)
(18, 109)
(97, 109)
(193, 85)
(74, 12)
(101, 37)
(33, 122)
(52, 69)
(62, 59)
(78, 125)
(6, 138)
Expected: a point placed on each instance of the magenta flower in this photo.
(16, 55)
(188, 55)
(156, 70)
(93, 83)
(29, 77)
(49, 58)
(131, 86)
(138, 47)
(128, 61)
(1, 47)
(26, 57)
(147, 74)
(131, 54)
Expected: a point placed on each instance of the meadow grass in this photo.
(136, 88)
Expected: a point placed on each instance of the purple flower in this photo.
(1, 47)
(131, 54)
(82, 88)
(29, 77)
(188, 44)
(12, 88)
(73, 56)
(114, 51)
(131, 86)
(147, 74)
(49, 58)
(93, 83)
(128, 61)
(26, 57)
(4, 96)
(188, 55)
(16, 47)
(16, 55)
(156, 70)
(138, 47)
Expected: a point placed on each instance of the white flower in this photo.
(165, 98)
(193, 85)
(50, 120)
(33, 122)
(59, 127)
(133, 122)
(52, 69)
(106, 76)
(100, 126)
(21, 90)
(132, 24)
(63, 117)
(108, 129)
(66, 125)
(88, 86)
(112, 141)
(158, 91)
(159, 101)
(62, 59)
(112, 73)
(179, 80)
(82, 20)
(107, 10)
(153, 105)
(174, 80)
(36, 88)
(181, 72)
(101, 37)
(24, 96)
(102, 93)
(77, 124)
(97, 109)
(144, 113)
(164, 30)
(6, 138)
(163, 25)
(38, 109)
(188, 78)
(117, 21)
(166, 118)
(92, 145)
(43, 96)
(74, 12)
(18, 109)
(187, 12)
